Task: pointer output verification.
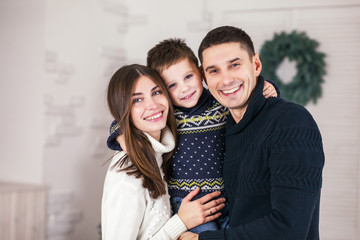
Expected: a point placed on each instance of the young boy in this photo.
(200, 119)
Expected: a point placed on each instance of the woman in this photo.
(135, 202)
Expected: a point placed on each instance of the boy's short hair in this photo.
(226, 34)
(168, 52)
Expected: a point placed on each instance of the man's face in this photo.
(231, 74)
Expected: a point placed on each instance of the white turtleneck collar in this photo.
(166, 145)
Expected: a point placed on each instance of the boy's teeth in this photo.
(154, 117)
(188, 96)
(231, 90)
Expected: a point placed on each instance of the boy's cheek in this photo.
(172, 98)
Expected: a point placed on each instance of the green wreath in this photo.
(306, 84)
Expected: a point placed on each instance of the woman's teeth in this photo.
(154, 116)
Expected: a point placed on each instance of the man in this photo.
(274, 155)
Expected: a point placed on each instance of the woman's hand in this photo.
(269, 90)
(188, 236)
(199, 211)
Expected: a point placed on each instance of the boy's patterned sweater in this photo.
(198, 157)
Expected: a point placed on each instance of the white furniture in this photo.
(22, 211)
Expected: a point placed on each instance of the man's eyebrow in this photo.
(234, 60)
(230, 61)
(209, 67)
(139, 93)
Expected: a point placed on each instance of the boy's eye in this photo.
(188, 76)
(171, 85)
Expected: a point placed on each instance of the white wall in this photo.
(21, 90)
(59, 56)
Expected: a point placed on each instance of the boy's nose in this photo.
(184, 88)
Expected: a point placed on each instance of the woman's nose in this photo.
(151, 104)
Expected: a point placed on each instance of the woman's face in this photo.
(149, 108)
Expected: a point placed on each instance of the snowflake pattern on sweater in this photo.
(198, 158)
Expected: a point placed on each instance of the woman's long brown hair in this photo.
(140, 154)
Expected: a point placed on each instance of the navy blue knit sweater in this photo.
(198, 157)
(273, 172)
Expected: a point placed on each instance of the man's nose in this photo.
(227, 78)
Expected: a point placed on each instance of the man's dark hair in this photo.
(226, 34)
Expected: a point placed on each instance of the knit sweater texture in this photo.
(273, 172)
(128, 210)
(199, 155)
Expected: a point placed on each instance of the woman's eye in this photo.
(135, 100)
(157, 92)
(171, 85)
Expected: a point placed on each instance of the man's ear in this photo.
(257, 64)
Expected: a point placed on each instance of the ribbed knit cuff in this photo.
(212, 235)
(175, 227)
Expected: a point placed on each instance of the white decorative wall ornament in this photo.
(67, 126)
(61, 71)
(116, 8)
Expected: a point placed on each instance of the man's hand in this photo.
(188, 236)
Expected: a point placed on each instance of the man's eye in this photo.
(234, 65)
(171, 85)
(213, 71)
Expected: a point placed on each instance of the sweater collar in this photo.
(257, 101)
(166, 145)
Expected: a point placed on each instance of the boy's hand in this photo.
(269, 90)
(188, 236)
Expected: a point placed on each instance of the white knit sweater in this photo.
(128, 211)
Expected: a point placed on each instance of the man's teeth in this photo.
(231, 90)
(154, 116)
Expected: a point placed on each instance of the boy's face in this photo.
(184, 83)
